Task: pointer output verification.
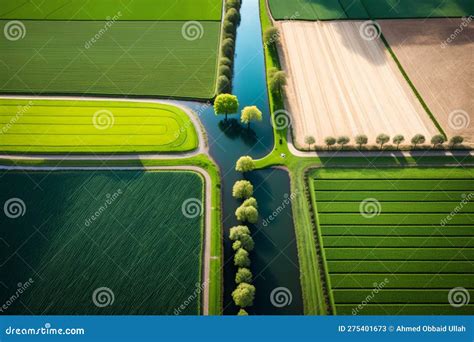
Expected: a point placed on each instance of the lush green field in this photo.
(129, 58)
(94, 126)
(391, 242)
(364, 9)
(139, 246)
(102, 9)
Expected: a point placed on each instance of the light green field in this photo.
(365, 9)
(104, 9)
(93, 126)
(129, 58)
(420, 245)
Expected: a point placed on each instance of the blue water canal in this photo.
(274, 260)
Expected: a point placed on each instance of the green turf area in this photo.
(129, 58)
(140, 246)
(94, 126)
(104, 9)
(364, 9)
(401, 237)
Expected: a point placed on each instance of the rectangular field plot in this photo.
(149, 58)
(101, 10)
(93, 126)
(342, 84)
(397, 241)
(365, 9)
(121, 234)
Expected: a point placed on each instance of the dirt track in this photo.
(442, 68)
(342, 84)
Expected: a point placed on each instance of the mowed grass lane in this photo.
(149, 58)
(392, 242)
(365, 9)
(81, 231)
(38, 126)
(102, 9)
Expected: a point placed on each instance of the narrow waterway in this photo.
(274, 261)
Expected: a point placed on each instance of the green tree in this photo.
(232, 15)
(418, 139)
(241, 258)
(361, 139)
(309, 140)
(277, 82)
(271, 36)
(245, 241)
(242, 312)
(226, 104)
(226, 61)
(398, 139)
(330, 141)
(249, 114)
(244, 295)
(250, 202)
(247, 214)
(232, 4)
(228, 45)
(223, 84)
(438, 140)
(242, 189)
(456, 140)
(243, 275)
(382, 139)
(343, 140)
(245, 164)
(236, 232)
(225, 71)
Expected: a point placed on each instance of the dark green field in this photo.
(365, 9)
(140, 245)
(391, 242)
(100, 10)
(130, 58)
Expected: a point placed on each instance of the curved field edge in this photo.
(135, 10)
(184, 134)
(201, 161)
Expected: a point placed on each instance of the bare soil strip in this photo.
(342, 84)
(438, 55)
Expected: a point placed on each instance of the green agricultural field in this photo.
(365, 9)
(93, 126)
(149, 58)
(81, 231)
(396, 241)
(102, 9)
